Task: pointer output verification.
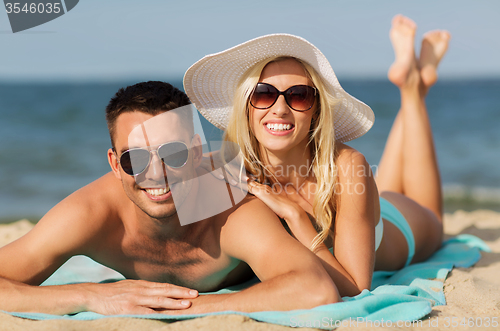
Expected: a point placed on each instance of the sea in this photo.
(54, 139)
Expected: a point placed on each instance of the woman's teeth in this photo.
(278, 127)
(157, 191)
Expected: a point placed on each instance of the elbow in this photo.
(327, 293)
(354, 289)
(322, 291)
(353, 292)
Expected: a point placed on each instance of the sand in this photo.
(472, 294)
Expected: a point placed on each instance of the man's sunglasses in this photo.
(297, 97)
(173, 154)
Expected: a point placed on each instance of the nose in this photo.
(155, 170)
(281, 108)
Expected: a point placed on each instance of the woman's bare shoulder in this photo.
(348, 155)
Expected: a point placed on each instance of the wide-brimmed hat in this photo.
(211, 82)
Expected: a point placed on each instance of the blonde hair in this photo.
(321, 142)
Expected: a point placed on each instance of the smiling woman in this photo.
(279, 119)
(288, 111)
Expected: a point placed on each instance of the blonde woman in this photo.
(278, 98)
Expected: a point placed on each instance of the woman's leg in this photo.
(434, 46)
(390, 174)
(408, 175)
(409, 156)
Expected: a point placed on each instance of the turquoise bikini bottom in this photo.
(392, 214)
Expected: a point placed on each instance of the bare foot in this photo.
(434, 46)
(402, 36)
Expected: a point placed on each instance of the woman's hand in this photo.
(296, 218)
(277, 200)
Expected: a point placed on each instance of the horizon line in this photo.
(95, 80)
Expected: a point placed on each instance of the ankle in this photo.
(411, 92)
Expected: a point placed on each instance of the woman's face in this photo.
(280, 128)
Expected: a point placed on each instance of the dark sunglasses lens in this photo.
(174, 154)
(263, 96)
(300, 97)
(134, 161)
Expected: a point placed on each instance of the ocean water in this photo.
(54, 139)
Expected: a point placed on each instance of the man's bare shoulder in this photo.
(102, 187)
(107, 188)
(87, 214)
(100, 199)
(250, 208)
(247, 222)
(80, 224)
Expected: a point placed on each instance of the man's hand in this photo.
(123, 297)
(136, 297)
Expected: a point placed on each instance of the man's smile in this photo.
(158, 194)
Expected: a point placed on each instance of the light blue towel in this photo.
(405, 295)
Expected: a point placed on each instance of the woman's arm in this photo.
(357, 214)
(346, 284)
(351, 265)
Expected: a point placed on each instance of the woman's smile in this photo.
(279, 128)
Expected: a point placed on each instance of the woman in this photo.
(291, 117)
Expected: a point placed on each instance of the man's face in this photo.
(151, 189)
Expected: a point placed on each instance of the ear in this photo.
(113, 162)
(196, 150)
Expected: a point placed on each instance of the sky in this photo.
(114, 40)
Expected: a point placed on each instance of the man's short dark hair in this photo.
(151, 97)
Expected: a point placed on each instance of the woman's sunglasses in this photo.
(173, 154)
(297, 97)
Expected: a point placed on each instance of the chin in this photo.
(159, 214)
(278, 147)
(152, 209)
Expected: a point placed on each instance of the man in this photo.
(127, 220)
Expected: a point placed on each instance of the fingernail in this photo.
(193, 292)
(184, 302)
(232, 182)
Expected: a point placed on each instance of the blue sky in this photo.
(123, 39)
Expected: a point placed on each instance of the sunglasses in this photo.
(173, 154)
(297, 97)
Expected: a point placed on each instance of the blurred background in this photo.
(57, 78)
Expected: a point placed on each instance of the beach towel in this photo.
(406, 295)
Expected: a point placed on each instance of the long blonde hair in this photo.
(321, 142)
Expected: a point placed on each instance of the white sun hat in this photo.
(211, 82)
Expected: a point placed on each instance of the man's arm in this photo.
(123, 297)
(292, 277)
(77, 225)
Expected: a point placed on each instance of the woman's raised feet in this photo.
(434, 46)
(402, 36)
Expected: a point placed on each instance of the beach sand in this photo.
(471, 293)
